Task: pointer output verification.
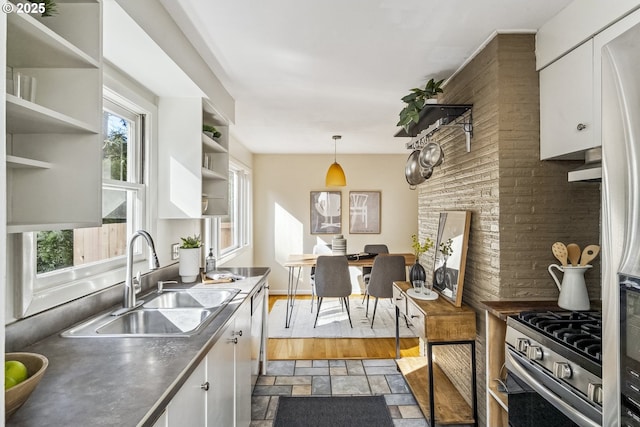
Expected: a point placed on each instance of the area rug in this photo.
(343, 411)
(333, 321)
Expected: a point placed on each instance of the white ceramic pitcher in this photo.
(573, 289)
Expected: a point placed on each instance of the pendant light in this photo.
(335, 174)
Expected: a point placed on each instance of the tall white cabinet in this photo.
(53, 137)
(194, 168)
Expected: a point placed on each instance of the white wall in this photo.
(282, 185)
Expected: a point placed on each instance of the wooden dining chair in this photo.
(332, 281)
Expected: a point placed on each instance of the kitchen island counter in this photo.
(122, 381)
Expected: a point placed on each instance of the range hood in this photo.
(592, 168)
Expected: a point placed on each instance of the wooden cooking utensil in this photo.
(560, 252)
(589, 253)
(573, 252)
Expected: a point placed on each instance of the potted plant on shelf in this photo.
(189, 267)
(416, 272)
(416, 101)
(211, 131)
(50, 7)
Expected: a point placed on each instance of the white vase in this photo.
(189, 267)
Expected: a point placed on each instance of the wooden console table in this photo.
(438, 323)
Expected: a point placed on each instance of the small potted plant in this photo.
(211, 131)
(416, 101)
(416, 272)
(189, 267)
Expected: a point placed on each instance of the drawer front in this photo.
(400, 300)
(417, 319)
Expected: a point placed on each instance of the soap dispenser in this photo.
(210, 264)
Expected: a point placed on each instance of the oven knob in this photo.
(534, 352)
(522, 344)
(561, 370)
(594, 393)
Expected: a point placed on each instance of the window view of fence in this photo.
(70, 248)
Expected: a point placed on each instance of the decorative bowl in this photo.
(18, 394)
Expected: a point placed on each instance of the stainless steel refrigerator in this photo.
(619, 51)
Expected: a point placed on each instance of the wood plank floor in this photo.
(337, 348)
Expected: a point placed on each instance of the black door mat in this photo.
(343, 411)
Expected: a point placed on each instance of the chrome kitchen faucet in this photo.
(131, 284)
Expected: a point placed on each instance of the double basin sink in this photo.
(179, 312)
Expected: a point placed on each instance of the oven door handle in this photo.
(573, 413)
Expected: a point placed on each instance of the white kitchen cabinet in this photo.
(54, 137)
(185, 177)
(567, 122)
(243, 367)
(218, 392)
(187, 408)
(229, 374)
(220, 374)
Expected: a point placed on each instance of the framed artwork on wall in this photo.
(364, 212)
(326, 212)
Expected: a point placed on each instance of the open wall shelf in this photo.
(431, 113)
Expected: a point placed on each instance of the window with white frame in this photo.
(233, 231)
(53, 261)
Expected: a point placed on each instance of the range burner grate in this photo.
(581, 330)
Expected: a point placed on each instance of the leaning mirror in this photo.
(451, 255)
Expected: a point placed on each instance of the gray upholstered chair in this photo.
(317, 250)
(332, 281)
(386, 270)
(366, 271)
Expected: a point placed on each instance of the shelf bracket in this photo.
(467, 127)
(420, 140)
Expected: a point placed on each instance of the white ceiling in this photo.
(303, 70)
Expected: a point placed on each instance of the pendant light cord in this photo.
(335, 140)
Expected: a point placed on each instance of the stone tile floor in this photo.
(334, 378)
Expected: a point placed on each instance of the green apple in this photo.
(14, 373)
(9, 382)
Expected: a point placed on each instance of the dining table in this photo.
(296, 262)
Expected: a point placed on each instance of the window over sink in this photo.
(57, 263)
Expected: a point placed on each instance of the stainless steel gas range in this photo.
(554, 361)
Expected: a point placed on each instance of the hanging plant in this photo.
(416, 101)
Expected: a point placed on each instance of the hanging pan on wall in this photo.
(412, 170)
(431, 156)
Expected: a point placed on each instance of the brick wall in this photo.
(520, 205)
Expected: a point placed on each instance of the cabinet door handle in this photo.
(233, 340)
(205, 386)
(414, 316)
(581, 126)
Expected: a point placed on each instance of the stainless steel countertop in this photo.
(121, 381)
